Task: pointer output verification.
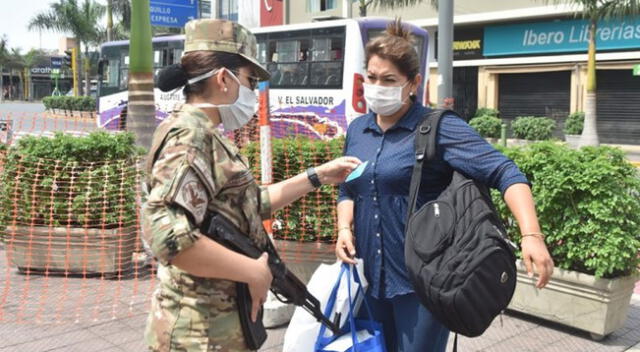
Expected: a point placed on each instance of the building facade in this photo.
(522, 57)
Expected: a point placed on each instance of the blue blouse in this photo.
(380, 193)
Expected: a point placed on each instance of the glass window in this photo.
(303, 59)
(321, 5)
(124, 77)
(113, 67)
(228, 10)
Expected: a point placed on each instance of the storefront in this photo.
(540, 69)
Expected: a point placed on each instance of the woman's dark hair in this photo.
(395, 45)
(196, 63)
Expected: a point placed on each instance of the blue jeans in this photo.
(408, 326)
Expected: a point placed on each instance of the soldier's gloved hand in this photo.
(260, 284)
(337, 170)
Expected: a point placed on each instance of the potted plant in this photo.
(573, 126)
(70, 203)
(588, 204)
(488, 127)
(532, 128)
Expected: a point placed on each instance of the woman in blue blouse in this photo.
(372, 208)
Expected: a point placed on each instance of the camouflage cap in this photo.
(226, 36)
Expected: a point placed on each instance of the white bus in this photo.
(317, 71)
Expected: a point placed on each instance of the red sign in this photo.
(271, 13)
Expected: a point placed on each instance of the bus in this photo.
(317, 71)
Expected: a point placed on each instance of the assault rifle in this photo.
(286, 286)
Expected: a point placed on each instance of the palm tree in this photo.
(4, 58)
(593, 11)
(15, 63)
(141, 110)
(388, 4)
(68, 16)
(121, 9)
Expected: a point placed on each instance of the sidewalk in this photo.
(514, 332)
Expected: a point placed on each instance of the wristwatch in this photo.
(313, 177)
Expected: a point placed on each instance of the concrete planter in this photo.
(73, 250)
(573, 140)
(598, 306)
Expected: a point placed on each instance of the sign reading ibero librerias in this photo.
(560, 36)
(172, 13)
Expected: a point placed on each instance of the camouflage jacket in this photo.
(196, 170)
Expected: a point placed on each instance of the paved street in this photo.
(67, 314)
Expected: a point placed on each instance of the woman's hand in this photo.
(345, 250)
(337, 170)
(260, 284)
(535, 253)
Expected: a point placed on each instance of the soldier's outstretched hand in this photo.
(337, 170)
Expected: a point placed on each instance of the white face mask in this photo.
(383, 100)
(237, 114)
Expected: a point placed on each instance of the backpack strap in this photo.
(426, 149)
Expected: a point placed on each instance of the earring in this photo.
(224, 89)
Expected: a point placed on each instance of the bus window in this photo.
(417, 43)
(124, 76)
(113, 67)
(303, 59)
(287, 51)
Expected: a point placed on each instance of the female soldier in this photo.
(375, 204)
(194, 169)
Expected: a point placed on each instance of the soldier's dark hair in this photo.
(395, 45)
(196, 63)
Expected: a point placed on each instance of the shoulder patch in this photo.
(192, 195)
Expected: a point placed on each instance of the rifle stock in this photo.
(285, 286)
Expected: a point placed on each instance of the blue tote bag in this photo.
(358, 335)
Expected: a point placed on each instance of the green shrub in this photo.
(487, 112)
(46, 101)
(574, 123)
(312, 217)
(70, 181)
(588, 204)
(487, 126)
(533, 128)
(70, 103)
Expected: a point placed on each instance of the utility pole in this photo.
(445, 53)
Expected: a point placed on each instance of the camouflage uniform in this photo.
(196, 169)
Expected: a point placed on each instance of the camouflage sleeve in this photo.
(183, 185)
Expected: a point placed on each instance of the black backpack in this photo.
(457, 253)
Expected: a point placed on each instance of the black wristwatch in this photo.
(313, 177)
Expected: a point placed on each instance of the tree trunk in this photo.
(86, 68)
(141, 110)
(1, 83)
(589, 135)
(109, 20)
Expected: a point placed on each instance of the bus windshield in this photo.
(311, 58)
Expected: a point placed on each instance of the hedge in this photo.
(533, 128)
(70, 103)
(588, 204)
(313, 217)
(70, 181)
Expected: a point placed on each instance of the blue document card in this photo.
(357, 172)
